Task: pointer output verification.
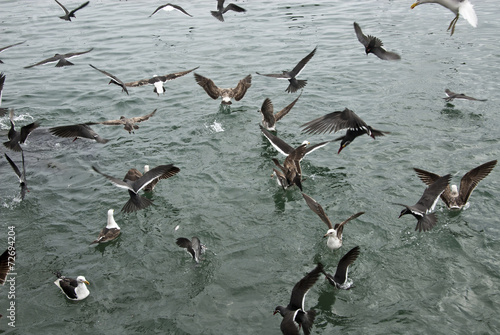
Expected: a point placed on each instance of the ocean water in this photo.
(261, 240)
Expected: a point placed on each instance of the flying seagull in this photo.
(129, 124)
(452, 196)
(295, 313)
(339, 120)
(134, 174)
(284, 148)
(20, 175)
(194, 247)
(340, 279)
(69, 14)
(137, 202)
(113, 79)
(7, 261)
(458, 7)
(9, 46)
(16, 138)
(374, 45)
(73, 289)
(269, 119)
(110, 232)
(452, 95)
(295, 84)
(226, 93)
(425, 205)
(77, 131)
(334, 233)
(60, 59)
(170, 7)
(158, 81)
(223, 10)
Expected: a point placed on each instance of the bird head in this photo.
(330, 232)
(81, 279)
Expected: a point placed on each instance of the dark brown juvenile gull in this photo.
(7, 261)
(110, 232)
(69, 14)
(295, 84)
(113, 79)
(158, 81)
(9, 46)
(339, 120)
(16, 138)
(20, 175)
(226, 93)
(374, 45)
(458, 7)
(294, 314)
(77, 131)
(341, 280)
(452, 95)
(194, 247)
(453, 197)
(170, 7)
(137, 202)
(425, 205)
(73, 289)
(269, 119)
(60, 59)
(129, 124)
(223, 10)
(334, 233)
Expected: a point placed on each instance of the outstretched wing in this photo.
(208, 85)
(242, 87)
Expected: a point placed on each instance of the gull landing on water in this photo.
(269, 119)
(459, 7)
(340, 280)
(110, 232)
(225, 93)
(20, 175)
(194, 247)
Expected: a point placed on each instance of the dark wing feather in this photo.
(285, 110)
(4, 264)
(384, 54)
(78, 8)
(359, 34)
(64, 8)
(316, 208)
(175, 75)
(298, 68)
(208, 85)
(275, 75)
(334, 121)
(470, 180)
(26, 130)
(153, 174)
(302, 287)
(277, 142)
(233, 7)
(143, 118)
(267, 110)
(342, 268)
(14, 167)
(340, 226)
(432, 192)
(10, 46)
(242, 87)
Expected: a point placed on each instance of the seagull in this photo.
(110, 232)
(269, 119)
(295, 313)
(334, 234)
(134, 174)
(129, 124)
(170, 7)
(339, 120)
(16, 138)
(76, 131)
(20, 175)
(137, 202)
(9, 46)
(452, 197)
(223, 10)
(60, 59)
(374, 45)
(158, 81)
(425, 205)
(194, 247)
(73, 289)
(3, 111)
(284, 148)
(7, 261)
(295, 84)
(226, 93)
(452, 95)
(458, 7)
(67, 14)
(340, 279)
(113, 79)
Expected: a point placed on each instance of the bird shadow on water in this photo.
(450, 111)
(281, 197)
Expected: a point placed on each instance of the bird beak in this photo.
(415, 4)
(276, 311)
(400, 215)
(86, 282)
(325, 235)
(340, 149)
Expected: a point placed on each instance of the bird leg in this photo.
(452, 25)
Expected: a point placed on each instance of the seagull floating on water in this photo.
(77, 131)
(458, 7)
(226, 93)
(452, 196)
(113, 79)
(9, 46)
(158, 81)
(223, 10)
(129, 124)
(7, 261)
(340, 280)
(16, 138)
(73, 289)
(269, 119)
(110, 232)
(170, 7)
(69, 14)
(194, 247)
(295, 84)
(20, 175)
(452, 95)
(61, 59)
(334, 233)
(374, 45)
(339, 120)
(425, 205)
(294, 314)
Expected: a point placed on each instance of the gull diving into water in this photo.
(458, 7)
(194, 247)
(20, 175)
(341, 280)
(16, 138)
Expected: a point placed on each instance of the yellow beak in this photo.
(86, 282)
(415, 5)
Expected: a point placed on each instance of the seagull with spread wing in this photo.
(374, 45)
(226, 94)
(129, 124)
(158, 81)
